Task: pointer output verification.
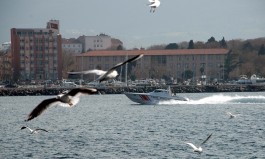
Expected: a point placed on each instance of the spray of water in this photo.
(220, 99)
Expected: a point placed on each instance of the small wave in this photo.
(220, 99)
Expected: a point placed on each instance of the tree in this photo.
(261, 50)
(199, 45)
(191, 45)
(157, 47)
(187, 74)
(231, 62)
(223, 43)
(68, 63)
(212, 43)
(172, 46)
(247, 46)
(211, 40)
(202, 68)
(120, 47)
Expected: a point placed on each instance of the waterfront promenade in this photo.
(119, 90)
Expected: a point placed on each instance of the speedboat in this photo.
(154, 97)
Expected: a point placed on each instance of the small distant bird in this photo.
(231, 115)
(153, 4)
(199, 149)
(68, 99)
(33, 131)
(111, 73)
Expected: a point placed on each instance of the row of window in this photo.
(72, 45)
(98, 45)
(31, 33)
(22, 62)
(194, 65)
(38, 75)
(37, 40)
(38, 48)
(38, 55)
(114, 58)
(177, 66)
(98, 40)
(162, 59)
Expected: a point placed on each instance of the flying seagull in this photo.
(67, 99)
(231, 115)
(111, 73)
(154, 4)
(33, 131)
(199, 149)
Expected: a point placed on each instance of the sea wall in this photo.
(120, 90)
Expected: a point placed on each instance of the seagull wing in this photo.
(95, 71)
(41, 130)
(111, 73)
(228, 113)
(25, 127)
(155, 3)
(77, 91)
(123, 63)
(41, 107)
(193, 146)
(127, 61)
(103, 77)
(151, 1)
(206, 139)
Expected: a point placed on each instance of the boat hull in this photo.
(149, 99)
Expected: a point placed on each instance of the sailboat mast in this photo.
(126, 70)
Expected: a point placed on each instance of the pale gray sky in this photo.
(131, 22)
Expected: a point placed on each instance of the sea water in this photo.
(112, 126)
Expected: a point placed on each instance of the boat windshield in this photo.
(160, 90)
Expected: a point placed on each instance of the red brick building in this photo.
(37, 53)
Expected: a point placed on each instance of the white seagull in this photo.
(154, 4)
(111, 73)
(33, 131)
(232, 115)
(199, 149)
(67, 99)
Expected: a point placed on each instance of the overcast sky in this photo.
(131, 22)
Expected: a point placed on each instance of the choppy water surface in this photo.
(111, 126)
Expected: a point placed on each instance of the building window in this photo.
(91, 66)
(106, 58)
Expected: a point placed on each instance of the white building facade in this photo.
(75, 48)
(5, 46)
(99, 42)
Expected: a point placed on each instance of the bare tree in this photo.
(68, 62)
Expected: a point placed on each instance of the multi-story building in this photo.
(5, 65)
(37, 52)
(99, 42)
(5, 46)
(159, 63)
(71, 46)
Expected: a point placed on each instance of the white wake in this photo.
(220, 99)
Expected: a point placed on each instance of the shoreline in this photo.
(120, 90)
